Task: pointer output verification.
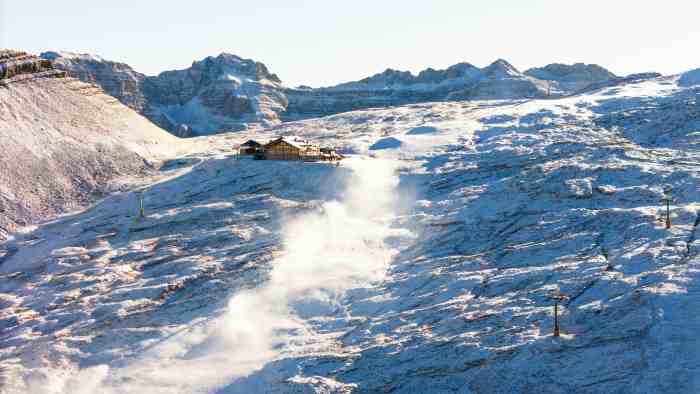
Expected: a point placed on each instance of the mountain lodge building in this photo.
(249, 148)
(288, 148)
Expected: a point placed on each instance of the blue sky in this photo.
(320, 43)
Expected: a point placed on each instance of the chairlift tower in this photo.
(558, 298)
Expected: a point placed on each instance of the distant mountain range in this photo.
(229, 93)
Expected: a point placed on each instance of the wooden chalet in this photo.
(288, 148)
(250, 148)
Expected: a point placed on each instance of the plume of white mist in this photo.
(327, 252)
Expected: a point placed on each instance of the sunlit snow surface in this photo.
(425, 269)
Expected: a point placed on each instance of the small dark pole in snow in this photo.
(142, 212)
(667, 199)
(557, 298)
(556, 318)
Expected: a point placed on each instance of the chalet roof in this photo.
(293, 141)
(251, 143)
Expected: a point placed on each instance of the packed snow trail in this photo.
(337, 247)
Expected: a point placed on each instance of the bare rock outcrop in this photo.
(116, 79)
(16, 66)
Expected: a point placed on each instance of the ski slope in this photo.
(423, 264)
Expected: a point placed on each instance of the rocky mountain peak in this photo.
(456, 71)
(390, 77)
(571, 78)
(501, 69)
(226, 64)
(571, 73)
(462, 67)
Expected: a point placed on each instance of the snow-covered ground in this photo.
(424, 264)
(63, 141)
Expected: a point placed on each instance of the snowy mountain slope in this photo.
(211, 231)
(247, 277)
(525, 199)
(229, 93)
(63, 141)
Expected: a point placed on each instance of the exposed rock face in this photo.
(116, 79)
(218, 93)
(63, 141)
(501, 80)
(18, 66)
(230, 93)
(570, 78)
